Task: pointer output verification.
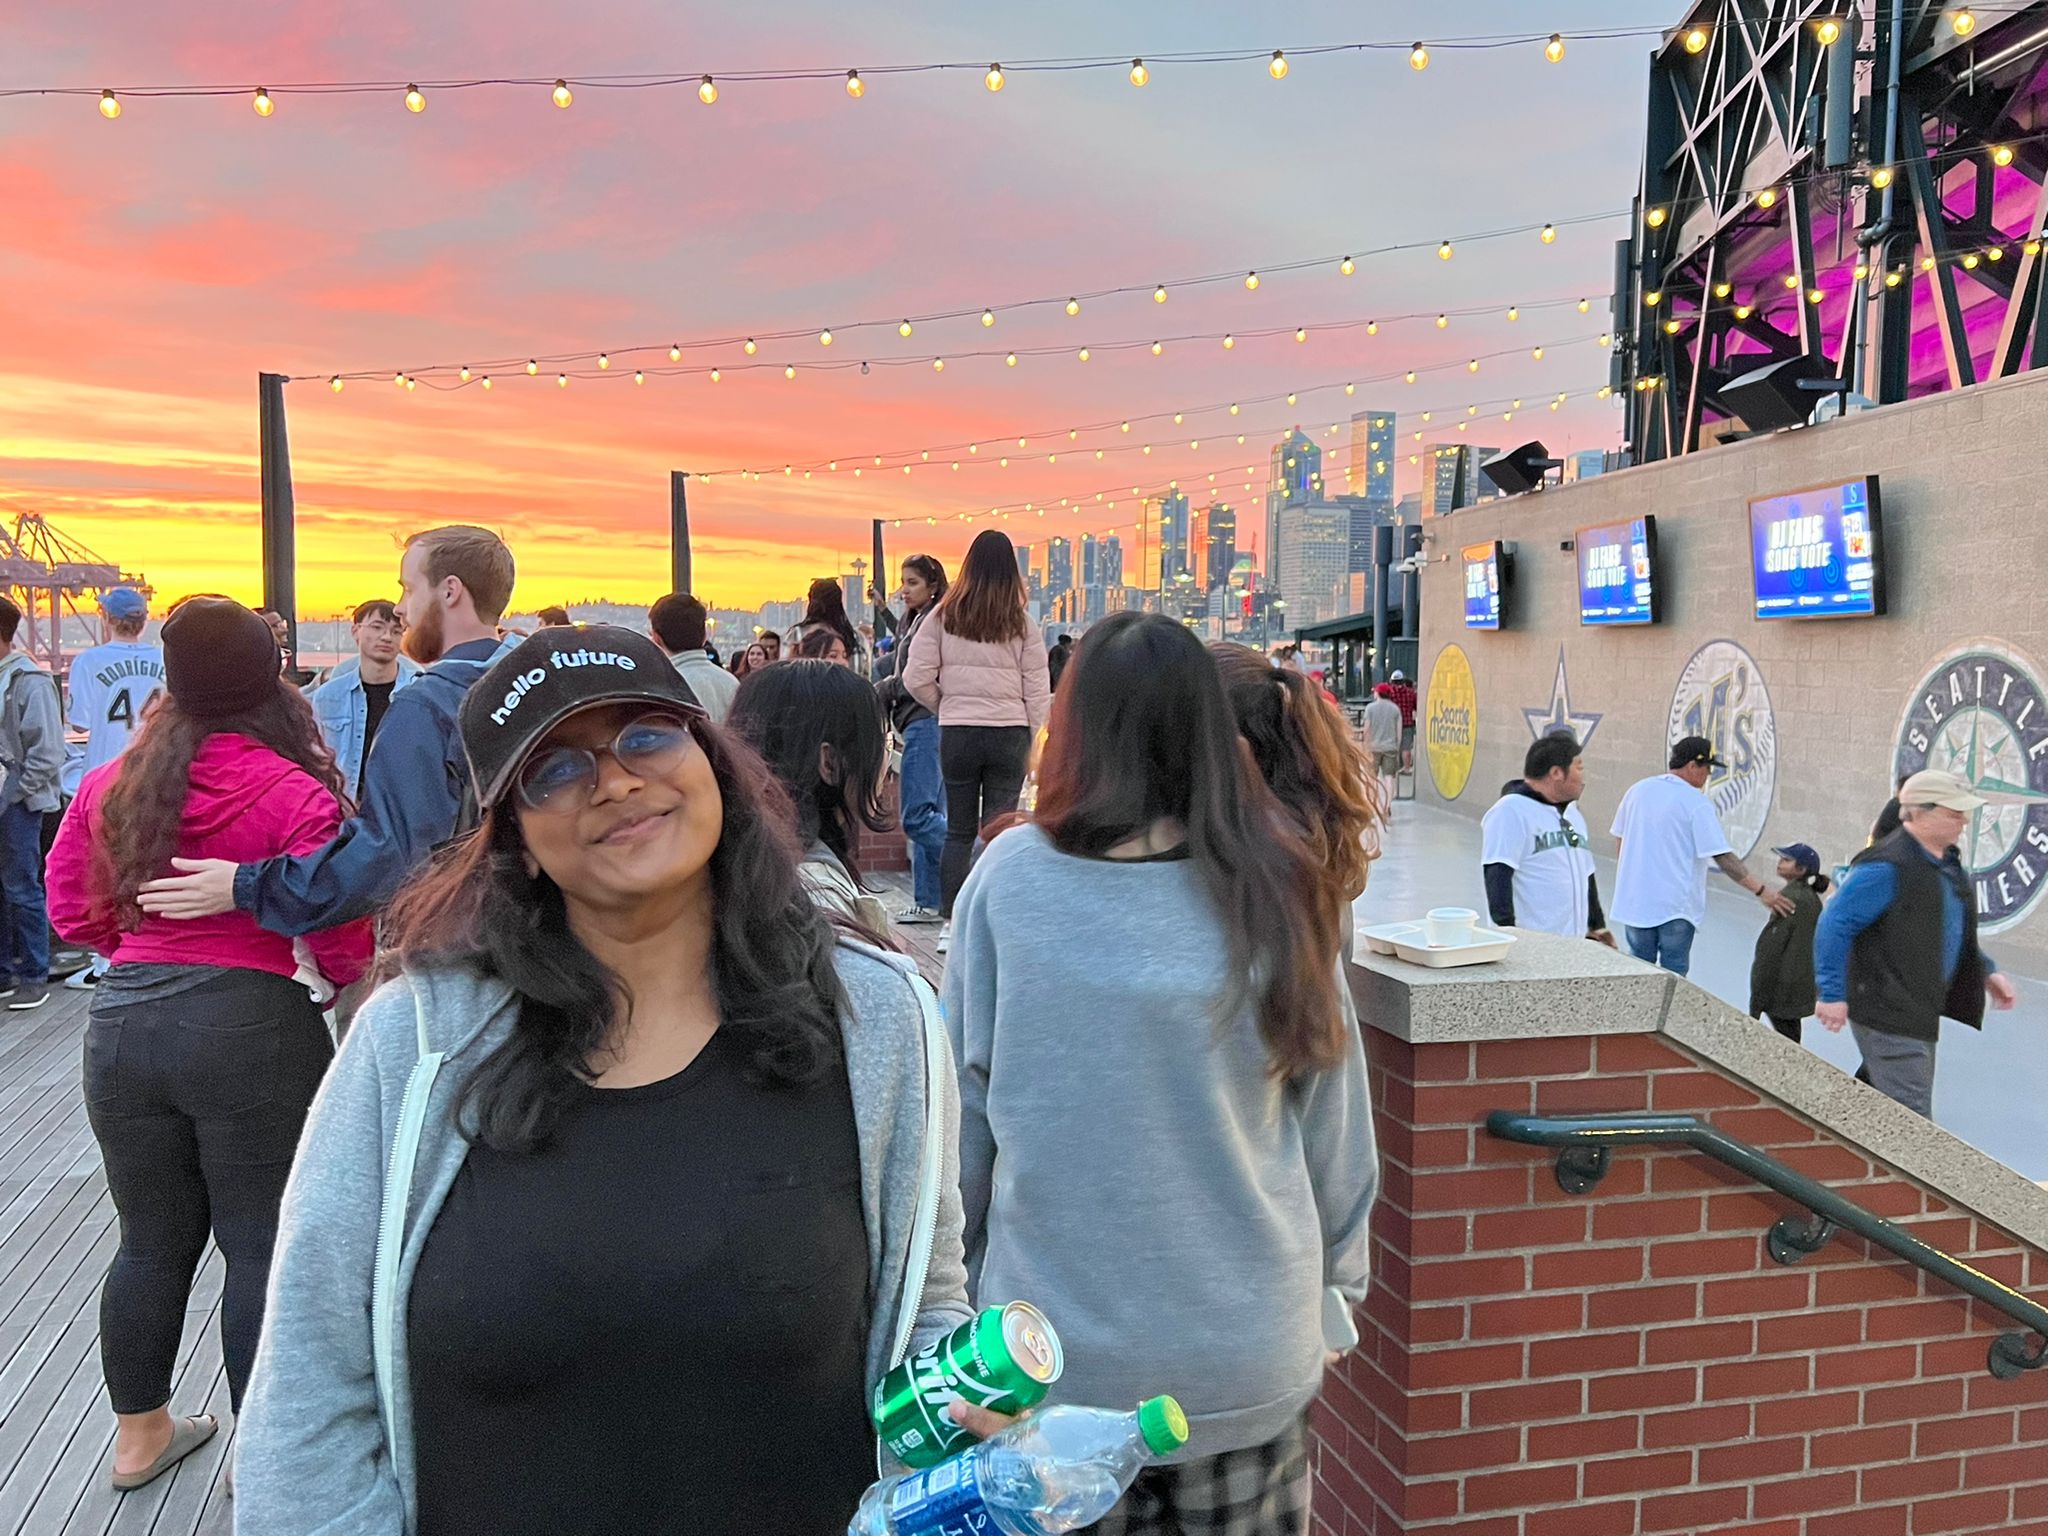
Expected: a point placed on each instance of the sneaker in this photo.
(920, 915)
(30, 994)
(82, 981)
(945, 941)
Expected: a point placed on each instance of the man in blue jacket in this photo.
(1897, 950)
(454, 583)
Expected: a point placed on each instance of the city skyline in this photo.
(157, 263)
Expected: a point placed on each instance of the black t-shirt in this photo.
(658, 1322)
(376, 699)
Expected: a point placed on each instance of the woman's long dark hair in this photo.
(826, 607)
(771, 954)
(1309, 760)
(987, 602)
(1141, 730)
(791, 714)
(143, 809)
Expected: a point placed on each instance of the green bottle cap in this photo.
(1163, 1425)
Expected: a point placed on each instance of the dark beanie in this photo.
(219, 658)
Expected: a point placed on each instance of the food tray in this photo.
(1406, 940)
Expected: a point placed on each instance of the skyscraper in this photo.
(1451, 477)
(1294, 475)
(1197, 559)
(1024, 564)
(1173, 537)
(1371, 471)
(1091, 561)
(1059, 567)
(1222, 545)
(1315, 545)
(1585, 464)
(1112, 568)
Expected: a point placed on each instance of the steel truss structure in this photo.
(1859, 182)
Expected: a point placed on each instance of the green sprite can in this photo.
(1005, 1360)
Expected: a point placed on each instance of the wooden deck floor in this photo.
(57, 1233)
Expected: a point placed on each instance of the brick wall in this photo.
(1632, 1361)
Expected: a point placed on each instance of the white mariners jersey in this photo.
(109, 685)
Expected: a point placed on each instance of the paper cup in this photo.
(1445, 927)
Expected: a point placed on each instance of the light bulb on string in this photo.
(1251, 280)
(1277, 65)
(825, 338)
(1158, 295)
(994, 78)
(1418, 57)
(532, 367)
(1828, 30)
(1073, 308)
(1792, 281)
(1537, 354)
(1554, 49)
(1301, 333)
(604, 360)
(1233, 407)
(1139, 73)
(1083, 354)
(988, 317)
(1410, 376)
(749, 348)
(262, 103)
(1548, 235)
(675, 354)
(485, 381)
(707, 91)
(1229, 341)
(1723, 288)
(1655, 217)
(855, 86)
(411, 383)
(1585, 306)
(415, 99)
(561, 381)
(789, 371)
(1696, 40)
(562, 95)
(716, 375)
(1443, 251)
(335, 383)
(639, 377)
(938, 365)
(1963, 22)
(1347, 266)
(1158, 348)
(1372, 327)
(110, 105)
(1514, 311)
(1009, 360)
(1767, 198)
(2001, 155)
(1443, 322)
(1894, 277)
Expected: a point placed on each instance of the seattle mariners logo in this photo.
(1721, 696)
(1982, 714)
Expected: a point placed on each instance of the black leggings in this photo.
(197, 1101)
(983, 767)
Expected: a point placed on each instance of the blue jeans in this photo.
(1667, 944)
(24, 914)
(921, 803)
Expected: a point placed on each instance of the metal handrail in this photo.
(1585, 1142)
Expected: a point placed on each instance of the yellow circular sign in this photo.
(1451, 721)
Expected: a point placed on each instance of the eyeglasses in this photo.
(557, 780)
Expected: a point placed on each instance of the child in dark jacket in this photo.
(1781, 985)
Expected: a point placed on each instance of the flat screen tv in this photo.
(1485, 583)
(1618, 573)
(1818, 553)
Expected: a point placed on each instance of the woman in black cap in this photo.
(625, 1193)
(206, 1043)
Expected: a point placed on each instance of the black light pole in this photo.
(280, 555)
(679, 530)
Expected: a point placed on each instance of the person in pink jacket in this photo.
(980, 669)
(206, 1044)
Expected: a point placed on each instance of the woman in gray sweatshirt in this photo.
(1166, 1139)
(621, 1198)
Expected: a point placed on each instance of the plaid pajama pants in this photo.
(1262, 1490)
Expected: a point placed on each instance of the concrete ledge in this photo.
(1550, 987)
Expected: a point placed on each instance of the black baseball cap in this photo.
(543, 680)
(1694, 749)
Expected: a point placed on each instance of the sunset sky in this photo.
(152, 266)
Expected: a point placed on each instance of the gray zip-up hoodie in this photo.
(1134, 1169)
(316, 1452)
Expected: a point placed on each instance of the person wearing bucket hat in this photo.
(1667, 834)
(1896, 952)
(206, 1044)
(1781, 986)
(667, 1140)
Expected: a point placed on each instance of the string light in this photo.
(1277, 65)
(1514, 312)
(1418, 58)
(1549, 234)
(1792, 281)
(262, 103)
(335, 384)
(988, 318)
(1443, 322)
(1723, 288)
(789, 372)
(1443, 251)
(1696, 40)
(855, 86)
(561, 381)
(1301, 333)
(1964, 22)
(1585, 306)
(1139, 73)
(749, 347)
(1654, 297)
(486, 381)
(639, 377)
(1229, 342)
(561, 94)
(1893, 278)
(110, 105)
(1159, 294)
(464, 375)
(1554, 49)
(1372, 327)
(1768, 198)
(2001, 155)
(1083, 354)
(1655, 218)
(675, 354)
(1073, 308)
(707, 91)
(938, 365)
(1251, 280)
(1157, 348)
(1829, 30)
(994, 78)
(415, 99)
(532, 367)
(1009, 360)
(603, 360)
(411, 384)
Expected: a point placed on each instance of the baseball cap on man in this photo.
(1801, 854)
(1398, 677)
(1936, 786)
(1694, 749)
(125, 604)
(545, 679)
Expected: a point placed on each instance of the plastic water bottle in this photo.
(1056, 1470)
